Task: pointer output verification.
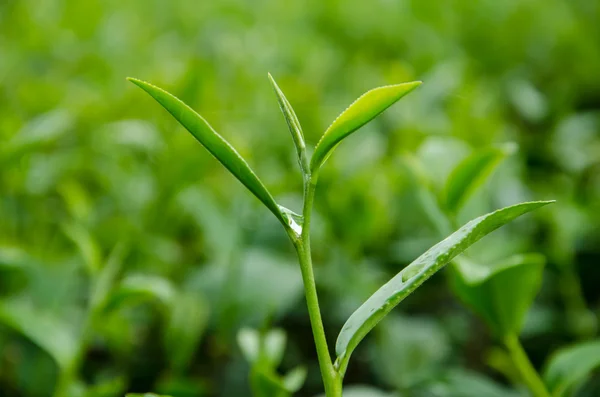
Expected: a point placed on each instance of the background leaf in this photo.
(470, 173)
(501, 294)
(415, 274)
(49, 333)
(359, 113)
(571, 365)
(187, 320)
(138, 288)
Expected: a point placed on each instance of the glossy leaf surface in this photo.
(293, 125)
(571, 365)
(359, 113)
(213, 142)
(470, 173)
(412, 276)
(500, 294)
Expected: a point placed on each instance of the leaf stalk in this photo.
(521, 362)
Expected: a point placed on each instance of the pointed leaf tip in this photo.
(213, 142)
(359, 113)
(366, 317)
(293, 125)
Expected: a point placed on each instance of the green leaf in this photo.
(140, 288)
(293, 125)
(412, 276)
(187, 321)
(471, 173)
(294, 379)
(215, 144)
(410, 351)
(47, 332)
(273, 346)
(458, 382)
(107, 277)
(249, 341)
(265, 383)
(485, 289)
(267, 349)
(144, 395)
(571, 365)
(359, 113)
(87, 245)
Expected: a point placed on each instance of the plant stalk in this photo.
(331, 379)
(528, 373)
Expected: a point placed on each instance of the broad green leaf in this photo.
(214, 143)
(47, 332)
(293, 125)
(187, 321)
(571, 365)
(472, 172)
(412, 276)
(486, 289)
(359, 113)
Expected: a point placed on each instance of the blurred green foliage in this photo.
(106, 204)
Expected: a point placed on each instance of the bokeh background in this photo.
(93, 173)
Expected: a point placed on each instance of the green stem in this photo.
(528, 373)
(331, 379)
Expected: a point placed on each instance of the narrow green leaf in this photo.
(87, 245)
(293, 125)
(215, 144)
(571, 365)
(139, 288)
(471, 173)
(359, 113)
(484, 289)
(106, 279)
(187, 321)
(412, 276)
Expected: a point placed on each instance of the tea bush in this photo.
(131, 261)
